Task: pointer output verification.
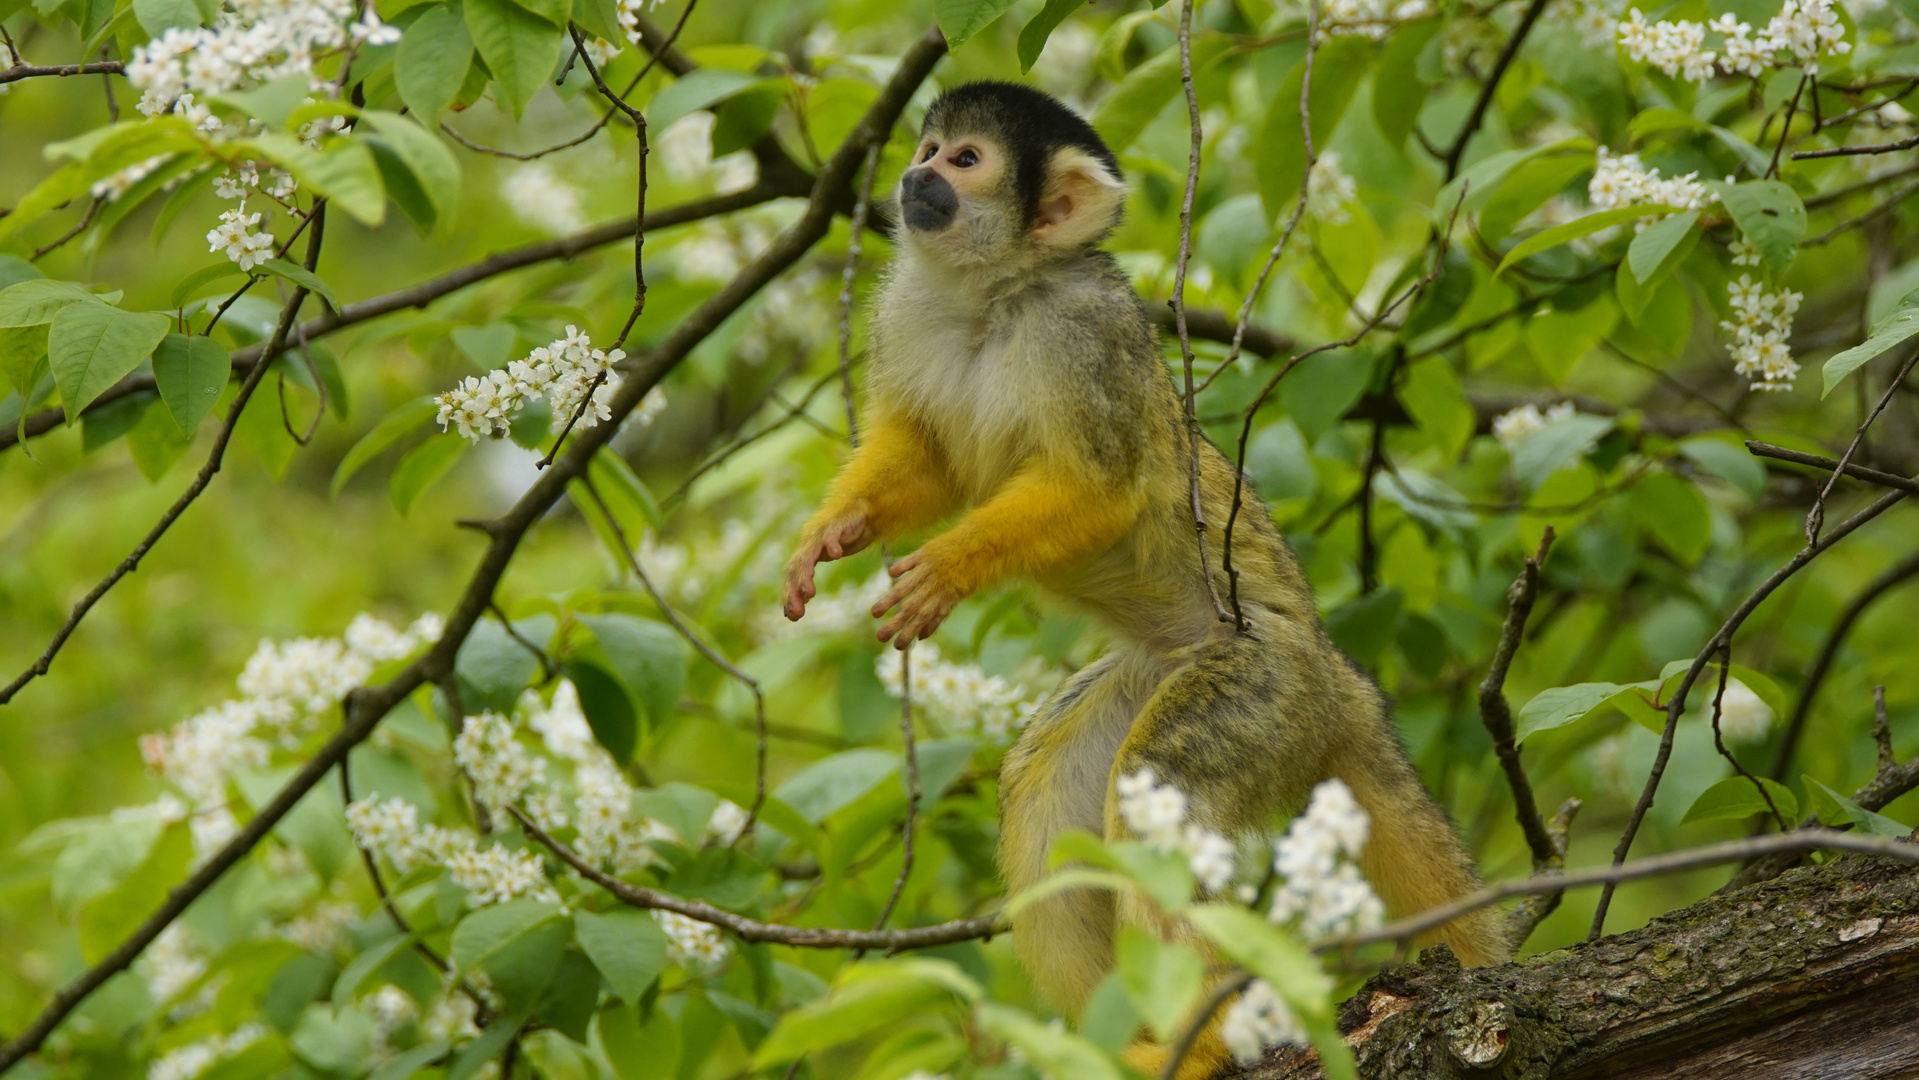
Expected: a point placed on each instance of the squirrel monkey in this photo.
(1016, 381)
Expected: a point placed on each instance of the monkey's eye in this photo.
(930, 151)
(966, 159)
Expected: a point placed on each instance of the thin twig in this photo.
(1189, 1034)
(1894, 575)
(79, 227)
(1179, 308)
(31, 71)
(1485, 99)
(753, 930)
(1797, 457)
(1817, 515)
(1677, 705)
(1785, 129)
(912, 785)
(547, 668)
(1719, 740)
(793, 412)
(1496, 713)
(1531, 911)
(1848, 151)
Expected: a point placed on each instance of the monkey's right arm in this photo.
(894, 483)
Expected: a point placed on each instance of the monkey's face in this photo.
(957, 196)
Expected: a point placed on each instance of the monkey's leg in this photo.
(1414, 858)
(1055, 779)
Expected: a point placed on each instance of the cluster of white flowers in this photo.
(685, 153)
(391, 1009)
(491, 875)
(1761, 330)
(119, 183)
(1259, 1019)
(693, 945)
(1516, 424)
(563, 373)
(1743, 715)
(1330, 190)
(234, 237)
(1620, 180)
(286, 686)
(191, 1060)
(1596, 20)
(452, 1014)
(964, 697)
(629, 16)
(717, 250)
(1323, 891)
(1157, 812)
(256, 41)
(609, 830)
(1373, 18)
(500, 768)
(170, 964)
(1804, 29)
(320, 931)
(543, 199)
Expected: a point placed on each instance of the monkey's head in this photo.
(1004, 173)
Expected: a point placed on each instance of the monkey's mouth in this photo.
(929, 205)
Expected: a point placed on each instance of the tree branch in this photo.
(1496, 713)
(1486, 92)
(33, 71)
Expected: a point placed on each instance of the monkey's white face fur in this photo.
(960, 205)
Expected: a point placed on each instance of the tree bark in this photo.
(1812, 975)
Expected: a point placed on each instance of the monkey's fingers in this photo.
(904, 563)
(799, 582)
(902, 588)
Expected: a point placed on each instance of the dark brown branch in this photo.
(1496, 713)
(1817, 515)
(366, 706)
(215, 457)
(1848, 151)
(1883, 479)
(1532, 910)
(753, 930)
(33, 71)
(1485, 99)
(79, 227)
(1677, 706)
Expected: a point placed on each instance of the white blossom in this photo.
(966, 698)
(492, 757)
(563, 373)
(1620, 180)
(390, 1008)
(1330, 190)
(320, 930)
(119, 183)
(1761, 330)
(692, 944)
(1322, 890)
(1743, 715)
(1258, 1019)
(726, 822)
(191, 1060)
(234, 237)
(1516, 424)
(629, 13)
(1157, 812)
(541, 198)
(1804, 29)
(170, 964)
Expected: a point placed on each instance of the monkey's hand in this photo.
(832, 538)
(925, 596)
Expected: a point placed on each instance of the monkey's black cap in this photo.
(1031, 125)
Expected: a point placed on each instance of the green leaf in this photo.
(301, 276)
(1674, 512)
(1525, 189)
(1055, 1051)
(92, 346)
(184, 290)
(1282, 145)
(434, 56)
(518, 944)
(1124, 113)
(434, 170)
(100, 854)
(488, 1047)
(556, 12)
(158, 16)
(601, 18)
(391, 429)
(833, 782)
(1663, 245)
(14, 270)
(404, 1064)
(1573, 230)
(190, 372)
(1559, 339)
(111, 917)
(346, 988)
(1398, 91)
(694, 91)
(1561, 705)
(519, 47)
(609, 711)
(1834, 805)
(494, 668)
(867, 997)
(1735, 799)
(649, 657)
(36, 302)
(959, 20)
(627, 946)
(1162, 978)
(639, 1049)
(1032, 36)
(22, 350)
(66, 183)
(272, 102)
(1892, 331)
(1364, 626)
(344, 172)
(1728, 460)
(1770, 214)
(421, 466)
(625, 493)
(1295, 975)
(1541, 453)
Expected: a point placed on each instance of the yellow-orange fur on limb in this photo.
(1015, 376)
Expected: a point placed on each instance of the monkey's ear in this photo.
(1080, 201)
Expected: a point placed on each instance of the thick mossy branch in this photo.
(1815, 973)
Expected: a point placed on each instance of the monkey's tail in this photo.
(1415, 861)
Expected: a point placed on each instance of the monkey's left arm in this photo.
(1045, 516)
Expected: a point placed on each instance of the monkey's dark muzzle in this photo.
(927, 201)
